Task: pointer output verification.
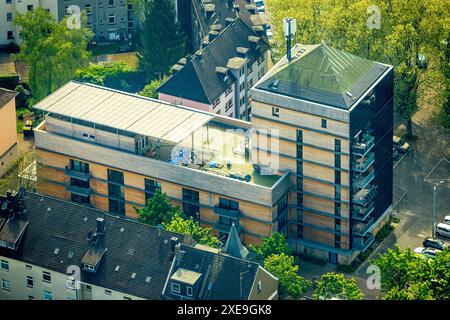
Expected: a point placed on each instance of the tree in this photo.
(161, 42)
(193, 229)
(157, 210)
(406, 275)
(290, 283)
(150, 89)
(52, 51)
(99, 73)
(275, 244)
(333, 285)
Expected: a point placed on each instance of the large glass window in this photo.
(191, 207)
(151, 186)
(80, 166)
(116, 192)
(228, 204)
(115, 176)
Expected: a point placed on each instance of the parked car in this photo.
(400, 145)
(447, 219)
(443, 230)
(434, 243)
(427, 252)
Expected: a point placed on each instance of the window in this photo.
(229, 104)
(115, 176)
(111, 3)
(176, 288)
(126, 298)
(6, 285)
(337, 145)
(30, 297)
(48, 295)
(116, 206)
(228, 91)
(46, 277)
(30, 282)
(324, 123)
(337, 160)
(337, 177)
(228, 204)
(9, 16)
(8, 1)
(151, 187)
(28, 267)
(216, 103)
(191, 200)
(80, 199)
(4, 265)
(116, 191)
(275, 112)
(30, 7)
(108, 292)
(79, 166)
(88, 9)
(112, 18)
(9, 35)
(225, 221)
(88, 288)
(189, 291)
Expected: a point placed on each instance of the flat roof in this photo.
(123, 111)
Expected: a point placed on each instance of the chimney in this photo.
(228, 21)
(289, 28)
(199, 55)
(173, 244)
(212, 35)
(100, 226)
(216, 27)
(251, 8)
(236, 8)
(176, 68)
(209, 10)
(254, 41)
(259, 30)
(242, 52)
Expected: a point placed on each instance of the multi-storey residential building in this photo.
(334, 114)
(110, 20)
(8, 130)
(56, 250)
(218, 77)
(9, 33)
(113, 150)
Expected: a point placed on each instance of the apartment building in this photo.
(109, 20)
(335, 119)
(113, 150)
(85, 254)
(9, 33)
(217, 78)
(8, 130)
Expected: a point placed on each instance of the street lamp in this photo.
(434, 207)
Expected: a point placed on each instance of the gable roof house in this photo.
(82, 253)
(218, 77)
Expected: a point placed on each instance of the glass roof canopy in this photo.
(123, 111)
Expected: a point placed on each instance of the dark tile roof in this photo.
(198, 79)
(6, 96)
(222, 11)
(323, 74)
(221, 274)
(56, 237)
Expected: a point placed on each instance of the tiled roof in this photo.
(6, 96)
(198, 79)
(56, 237)
(323, 74)
(223, 277)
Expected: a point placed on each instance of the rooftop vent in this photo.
(100, 226)
(173, 243)
(56, 251)
(133, 275)
(148, 279)
(117, 268)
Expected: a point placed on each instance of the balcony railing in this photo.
(363, 146)
(362, 180)
(85, 192)
(363, 163)
(365, 196)
(362, 227)
(225, 228)
(227, 212)
(361, 213)
(363, 242)
(77, 174)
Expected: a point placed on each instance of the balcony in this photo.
(363, 163)
(85, 192)
(364, 196)
(363, 242)
(362, 180)
(227, 212)
(225, 228)
(361, 213)
(77, 174)
(362, 227)
(363, 146)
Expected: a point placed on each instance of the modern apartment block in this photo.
(8, 130)
(51, 249)
(334, 114)
(218, 77)
(113, 150)
(9, 33)
(110, 20)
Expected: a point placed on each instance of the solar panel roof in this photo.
(124, 111)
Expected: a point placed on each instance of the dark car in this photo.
(434, 243)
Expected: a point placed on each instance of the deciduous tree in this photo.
(336, 285)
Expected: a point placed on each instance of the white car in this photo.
(447, 219)
(427, 252)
